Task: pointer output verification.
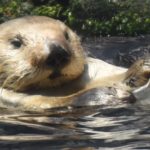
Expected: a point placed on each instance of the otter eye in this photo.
(66, 35)
(16, 43)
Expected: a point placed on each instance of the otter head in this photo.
(40, 52)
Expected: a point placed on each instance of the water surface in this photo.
(120, 127)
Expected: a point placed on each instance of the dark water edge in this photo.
(118, 127)
(118, 50)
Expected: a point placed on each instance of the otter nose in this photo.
(58, 56)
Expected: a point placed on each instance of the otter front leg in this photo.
(45, 102)
(32, 102)
(138, 74)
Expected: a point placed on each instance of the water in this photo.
(121, 127)
(80, 128)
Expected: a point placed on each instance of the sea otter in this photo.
(43, 65)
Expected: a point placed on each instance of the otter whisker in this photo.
(5, 82)
(29, 77)
(23, 78)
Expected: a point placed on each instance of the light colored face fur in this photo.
(25, 45)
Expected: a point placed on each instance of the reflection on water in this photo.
(75, 128)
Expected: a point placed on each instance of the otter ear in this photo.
(138, 74)
(72, 35)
